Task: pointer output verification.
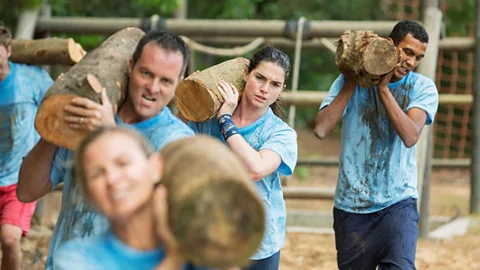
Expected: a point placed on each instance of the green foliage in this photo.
(460, 17)
(302, 173)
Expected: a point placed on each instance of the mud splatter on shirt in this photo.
(376, 168)
(20, 94)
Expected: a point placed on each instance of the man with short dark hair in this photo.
(375, 213)
(21, 90)
(155, 69)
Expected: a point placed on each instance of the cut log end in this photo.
(204, 106)
(75, 51)
(94, 83)
(228, 225)
(380, 57)
(50, 122)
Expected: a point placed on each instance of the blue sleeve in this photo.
(70, 257)
(283, 141)
(333, 92)
(59, 166)
(425, 97)
(44, 83)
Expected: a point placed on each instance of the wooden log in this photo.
(197, 97)
(215, 211)
(47, 51)
(105, 66)
(365, 56)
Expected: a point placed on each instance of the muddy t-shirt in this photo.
(376, 168)
(267, 132)
(77, 218)
(20, 94)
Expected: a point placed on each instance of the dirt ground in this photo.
(449, 197)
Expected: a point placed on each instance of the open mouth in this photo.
(404, 70)
(152, 99)
(261, 98)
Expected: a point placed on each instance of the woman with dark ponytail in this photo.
(253, 130)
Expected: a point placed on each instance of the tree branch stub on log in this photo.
(214, 209)
(197, 97)
(365, 56)
(47, 51)
(105, 66)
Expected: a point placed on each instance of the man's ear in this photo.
(245, 74)
(9, 51)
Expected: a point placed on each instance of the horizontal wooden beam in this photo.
(210, 27)
(308, 193)
(446, 44)
(315, 98)
(436, 162)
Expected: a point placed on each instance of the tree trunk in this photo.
(105, 66)
(47, 51)
(197, 97)
(366, 56)
(214, 211)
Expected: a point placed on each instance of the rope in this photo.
(236, 51)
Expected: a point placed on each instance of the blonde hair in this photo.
(145, 146)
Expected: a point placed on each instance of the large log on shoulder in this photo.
(106, 66)
(214, 209)
(46, 51)
(197, 97)
(366, 56)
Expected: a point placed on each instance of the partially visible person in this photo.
(21, 90)
(155, 69)
(117, 171)
(375, 212)
(253, 130)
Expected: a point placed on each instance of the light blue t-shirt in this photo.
(104, 251)
(78, 219)
(21, 93)
(267, 132)
(376, 168)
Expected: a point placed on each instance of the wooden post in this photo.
(26, 24)
(296, 69)
(475, 166)
(433, 20)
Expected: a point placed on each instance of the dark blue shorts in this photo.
(387, 238)
(269, 263)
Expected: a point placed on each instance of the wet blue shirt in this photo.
(267, 132)
(78, 219)
(21, 92)
(376, 168)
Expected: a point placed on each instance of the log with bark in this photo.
(197, 97)
(366, 56)
(105, 66)
(214, 210)
(46, 51)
